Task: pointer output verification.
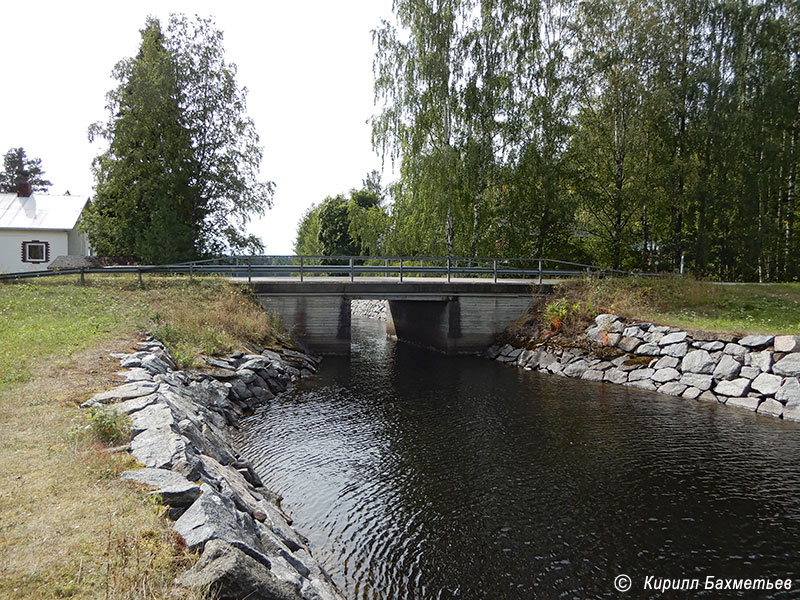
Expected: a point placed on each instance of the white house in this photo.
(36, 228)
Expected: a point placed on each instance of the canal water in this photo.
(417, 476)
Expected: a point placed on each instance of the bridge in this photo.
(452, 317)
(452, 304)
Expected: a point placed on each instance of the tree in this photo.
(179, 178)
(345, 226)
(307, 240)
(18, 169)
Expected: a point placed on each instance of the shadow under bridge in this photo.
(457, 317)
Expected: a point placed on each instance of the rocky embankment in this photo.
(756, 372)
(181, 423)
(371, 309)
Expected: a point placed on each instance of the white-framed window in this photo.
(35, 251)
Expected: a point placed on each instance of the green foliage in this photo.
(342, 226)
(691, 304)
(109, 426)
(41, 319)
(562, 310)
(18, 168)
(334, 228)
(642, 135)
(307, 239)
(179, 177)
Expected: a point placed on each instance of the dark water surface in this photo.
(419, 476)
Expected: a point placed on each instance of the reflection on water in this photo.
(418, 476)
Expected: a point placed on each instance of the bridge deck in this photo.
(391, 287)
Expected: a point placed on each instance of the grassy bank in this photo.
(684, 303)
(68, 527)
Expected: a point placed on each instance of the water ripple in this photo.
(417, 476)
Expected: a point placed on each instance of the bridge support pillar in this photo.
(321, 322)
(458, 325)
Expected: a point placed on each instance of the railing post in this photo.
(386, 266)
(494, 269)
(540, 272)
(82, 280)
(191, 272)
(249, 272)
(421, 267)
(401, 270)
(448, 269)
(301, 269)
(139, 271)
(352, 274)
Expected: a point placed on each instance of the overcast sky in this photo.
(307, 66)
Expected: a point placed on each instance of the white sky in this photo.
(307, 66)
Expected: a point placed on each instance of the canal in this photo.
(417, 476)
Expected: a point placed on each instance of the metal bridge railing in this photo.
(307, 266)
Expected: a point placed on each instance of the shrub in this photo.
(109, 426)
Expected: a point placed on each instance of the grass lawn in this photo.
(69, 528)
(690, 304)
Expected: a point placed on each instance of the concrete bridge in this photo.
(459, 316)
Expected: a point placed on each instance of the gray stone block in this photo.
(153, 416)
(158, 448)
(665, 375)
(770, 407)
(576, 368)
(131, 406)
(665, 362)
(672, 338)
(734, 349)
(761, 360)
(605, 320)
(616, 376)
(633, 332)
(677, 350)
(640, 374)
(592, 375)
(126, 391)
(788, 366)
(711, 397)
(756, 341)
(698, 361)
(727, 368)
(690, 393)
(710, 346)
(767, 384)
(750, 372)
(787, 343)
(214, 517)
(225, 571)
(734, 388)
(173, 488)
(789, 392)
(703, 382)
(746, 403)
(672, 388)
(649, 349)
(629, 344)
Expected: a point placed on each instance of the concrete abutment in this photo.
(450, 318)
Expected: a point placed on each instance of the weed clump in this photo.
(109, 426)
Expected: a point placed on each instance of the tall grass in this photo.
(70, 528)
(687, 303)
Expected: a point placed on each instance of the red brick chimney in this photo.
(24, 189)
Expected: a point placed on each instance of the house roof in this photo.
(40, 211)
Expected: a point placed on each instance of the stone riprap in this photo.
(756, 372)
(371, 309)
(181, 422)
